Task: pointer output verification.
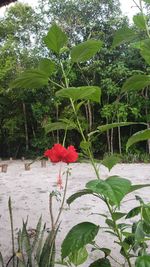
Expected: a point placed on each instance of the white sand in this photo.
(29, 191)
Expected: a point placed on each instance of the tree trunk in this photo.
(111, 141)
(25, 126)
(119, 138)
(108, 137)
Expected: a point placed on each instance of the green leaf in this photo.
(55, 39)
(146, 213)
(137, 187)
(80, 235)
(37, 235)
(139, 21)
(137, 137)
(143, 261)
(92, 93)
(106, 127)
(146, 1)
(1, 260)
(134, 212)
(118, 215)
(136, 82)
(114, 188)
(31, 79)
(47, 247)
(50, 127)
(85, 146)
(46, 65)
(27, 244)
(101, 263)
(106, 251)
(122, 36)
(40, 244)
(139, 232)
(110, 161)
(79, 194)
(85, 50)
(145, 50)
(110, 223)
(78, 257)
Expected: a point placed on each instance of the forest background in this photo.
(25, 113)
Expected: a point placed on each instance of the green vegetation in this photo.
(25, 110)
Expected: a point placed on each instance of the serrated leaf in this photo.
(101, 263)
(143, 261)
(134, 212)
(110, 161)
(79, 236)
(137, 137)
(106, 127)
(55, 39)
(79, 194)
(31, 79)
(46, 65)
(78, 257)
(114, 188)
(136, 82)
(139, 21)
(145, 50)
(85, 51)
(92, 93)
(122, 36)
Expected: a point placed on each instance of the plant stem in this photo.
(63, 200)
(84, 139)
(79, 124)
(116, 230)
(12, 230)
(146, 26)
(65, 135)
(51, 210)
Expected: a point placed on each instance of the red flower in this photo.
(71, 155)
(55, 154)
(59, 153)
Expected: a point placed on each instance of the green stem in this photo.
(116, 230)
(142, 12)
(65, 135)
(57, 84)
(84, 139)
(12, 230)
(63, 200)
(79, 124)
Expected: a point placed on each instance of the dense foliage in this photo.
(25, 112)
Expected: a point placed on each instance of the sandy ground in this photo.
(29, 191)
